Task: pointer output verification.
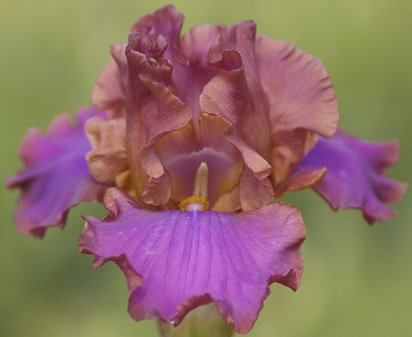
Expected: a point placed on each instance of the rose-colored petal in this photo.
(229, 201)
(109, 91)
(300, 180)
(108, 156)
(301, 101)
(254, 193)
(177, 260)
(355, 175)
(152, 111)
(235, 95)
(191, 79)
(55, 175)
(166, 21)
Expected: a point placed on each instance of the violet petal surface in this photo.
(55, 175)
(355, 176)
(175, 261)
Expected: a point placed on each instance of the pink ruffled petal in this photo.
(177, 260)
(152, 111)
(191, 79)
(355, 175)
(55, 176)
(109, 92)
(235, 95)
(166, 21)
(301, 102)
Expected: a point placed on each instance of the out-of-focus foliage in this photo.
(357, 279)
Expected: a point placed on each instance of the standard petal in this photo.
(168, 22)
(355, 175)
(235, 95)
(177, 260)
(108, 156)
(191, 79)
(55, 176)
(300, 180)
(301, 102)
(109, 92)
(152, 111)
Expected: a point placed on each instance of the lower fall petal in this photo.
(55, 176)
(177, 260)
(355, 175)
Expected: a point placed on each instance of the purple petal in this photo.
(55, 176)
(175, 261)
(355, 175)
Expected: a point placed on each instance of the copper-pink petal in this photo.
(152, 110)
(191, 79)
(55, 176)
(301, 102)
(177, 260)
(109, 91)
(235, 95)
(166, 21)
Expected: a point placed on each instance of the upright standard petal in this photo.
(191, 79)
(152, 110)
(301, 102)
(109, 92)
(168, 22)
(108, 156)
(175, 261)
(55, 176)
(355, 176)
(235, 95)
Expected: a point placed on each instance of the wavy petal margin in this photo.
(355, 176)
(301, 102)
(235, 95)
(56, 175)
(175, 261)
(152, 111)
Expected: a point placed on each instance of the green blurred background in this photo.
(357, 279)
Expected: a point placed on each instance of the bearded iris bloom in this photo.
(189, 141)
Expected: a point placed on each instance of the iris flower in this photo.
(189, 141)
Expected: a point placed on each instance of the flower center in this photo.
(194, 203)
(198, 201)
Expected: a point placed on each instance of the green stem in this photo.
(203, 321)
